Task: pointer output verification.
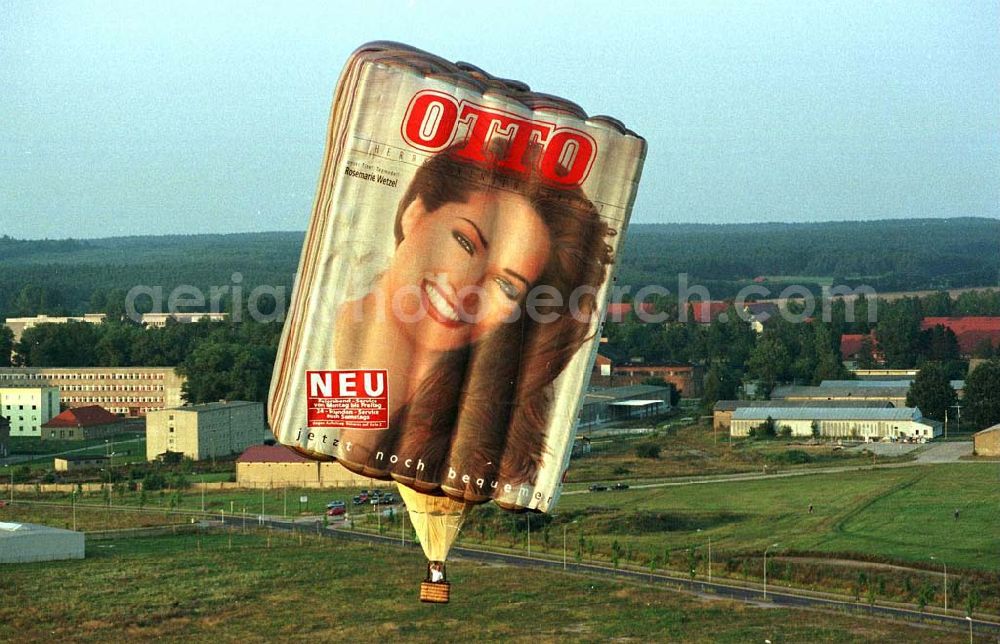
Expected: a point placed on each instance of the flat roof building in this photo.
(621, 403)
(24, 542)
(722, 411)
(20, 325)
(896, 395)
(865, 423)
(205, 431)
(70, 463)
(987, 442)
(125, 391)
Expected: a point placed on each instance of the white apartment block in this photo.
(28, 408)
(207, 430)
(126, 391)
(20, 325)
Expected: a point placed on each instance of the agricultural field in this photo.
(899, 513)
(694, 450)
(262, 586)
(868, 529)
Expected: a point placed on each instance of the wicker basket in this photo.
(435, 592)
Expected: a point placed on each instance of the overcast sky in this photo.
(127, 118)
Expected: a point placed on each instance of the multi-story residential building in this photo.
(28, 408)
(126, 391)
(205, 431)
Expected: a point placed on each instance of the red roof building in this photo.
(851, 344)
(271, 454)
(618, 311)
(82, 423)
(279, 466)
(706, 312)
(971, 331)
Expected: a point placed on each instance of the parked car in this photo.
(360, 499)
(336, 509)
(333, 504)
(598, 487)
(621, 486)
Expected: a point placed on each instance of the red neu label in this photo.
(352, 398)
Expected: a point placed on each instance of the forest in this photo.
(76, 276)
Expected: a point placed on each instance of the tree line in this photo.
(60, 276)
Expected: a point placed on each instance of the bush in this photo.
(647, 450)
(154, 481)
(792, 457)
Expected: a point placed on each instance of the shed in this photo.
(24, 542)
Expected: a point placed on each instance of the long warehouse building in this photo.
(868, 424)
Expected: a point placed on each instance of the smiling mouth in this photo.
(439, 308)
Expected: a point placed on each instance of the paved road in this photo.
(945, 453)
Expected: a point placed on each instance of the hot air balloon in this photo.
(451, 287)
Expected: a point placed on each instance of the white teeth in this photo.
(441, 304)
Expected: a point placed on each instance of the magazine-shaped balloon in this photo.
(455, 272)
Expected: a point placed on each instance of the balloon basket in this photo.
(435, 592)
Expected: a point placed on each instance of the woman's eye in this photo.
(464, 242)
(508, 288)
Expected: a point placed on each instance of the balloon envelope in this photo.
(454, 275)
(437, 520)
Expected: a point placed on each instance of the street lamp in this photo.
(709, 556)
(945, 582)
(773, 545)
(529, 535)
(565, 525)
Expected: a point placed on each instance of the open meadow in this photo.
(870, 534)
(261, 586)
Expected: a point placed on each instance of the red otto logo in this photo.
(432, 122)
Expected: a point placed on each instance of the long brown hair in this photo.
(483, 410)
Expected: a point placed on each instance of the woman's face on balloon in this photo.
(463, 269)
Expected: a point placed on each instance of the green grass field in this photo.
(253, 587)
(904, 514)
(694, 451)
